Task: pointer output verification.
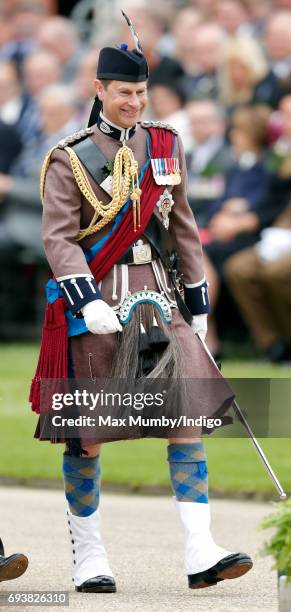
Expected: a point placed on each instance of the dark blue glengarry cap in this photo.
(121, 64)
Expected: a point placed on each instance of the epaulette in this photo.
(74, 137)
(158, 124)
(62, 144)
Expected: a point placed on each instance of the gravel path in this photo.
(144, 545)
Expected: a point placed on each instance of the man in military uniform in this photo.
(108, 240)
(13, 566)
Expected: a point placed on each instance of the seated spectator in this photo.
(59, 36)
(260, 281)
(6, 29)
(260, 277)
(39, 70)
(16, 107)
(167, 101)
(278, 48)
(210, 160)
(233, 16)
(278, 163)
(25, 18)
(184, 29)
(245, 77)
(83, 83)
(206, 48)
(205, 7)
(20, 221)
(236, 215)
(259, 11)
(10, 146)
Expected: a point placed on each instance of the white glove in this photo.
(100, 318)
(199, 325)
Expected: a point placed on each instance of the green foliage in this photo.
(109, 167)
(211, 170)
(279, 545)
(274, 161)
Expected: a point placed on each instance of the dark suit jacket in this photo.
(10, 146)
(250, 183)
(215, 175)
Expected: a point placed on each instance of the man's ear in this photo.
(99, 88)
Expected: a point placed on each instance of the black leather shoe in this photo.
(232, 566)
(99, 584)
(13, 566)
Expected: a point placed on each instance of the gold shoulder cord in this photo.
(44, 170)
(125, 178)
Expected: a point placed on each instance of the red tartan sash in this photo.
(53, 357)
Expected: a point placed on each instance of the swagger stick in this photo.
(253, 439)
(259, 450)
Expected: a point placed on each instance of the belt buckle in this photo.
(142, 254)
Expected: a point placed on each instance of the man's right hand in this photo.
(100, 318)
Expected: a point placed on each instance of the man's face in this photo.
(278, 38)
(207, 49)
(54, 114)
(285, 110)
(230, 15)
(123, 102)
(204, 121)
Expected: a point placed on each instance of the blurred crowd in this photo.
(220, 72)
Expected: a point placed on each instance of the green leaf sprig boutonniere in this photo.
(108, 168)
(211, 170)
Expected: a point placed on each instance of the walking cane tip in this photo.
(283, 496)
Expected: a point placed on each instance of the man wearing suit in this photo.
(210, 162)
(260, 280)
